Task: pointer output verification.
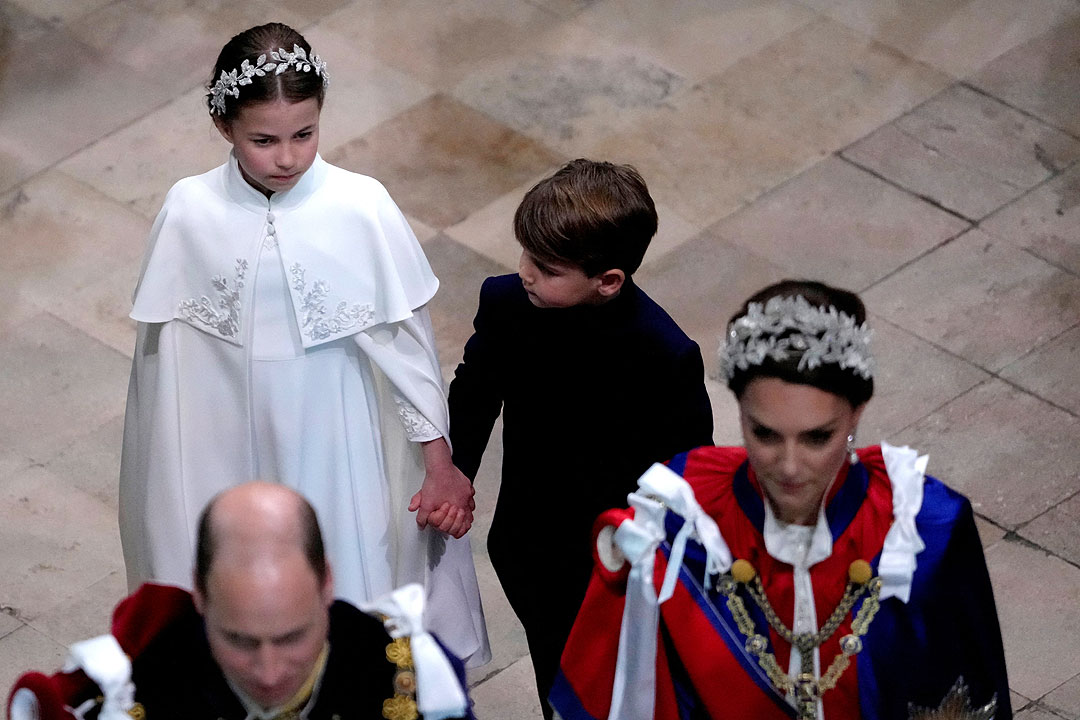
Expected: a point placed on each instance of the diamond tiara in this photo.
(788, 327)
(280, 60)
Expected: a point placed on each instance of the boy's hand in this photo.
(445, 502)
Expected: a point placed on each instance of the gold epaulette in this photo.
(403, 705)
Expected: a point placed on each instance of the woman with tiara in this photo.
(797, 576)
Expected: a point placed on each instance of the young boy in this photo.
(595, 383)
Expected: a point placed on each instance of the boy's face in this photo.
(558, 285)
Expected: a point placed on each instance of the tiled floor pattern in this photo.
(921, 152)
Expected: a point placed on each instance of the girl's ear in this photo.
(224, 128)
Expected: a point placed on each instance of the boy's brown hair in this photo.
(595, 215)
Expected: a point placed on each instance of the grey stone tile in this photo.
(461, 271)
(24, 650)
(58, 11)
(695, 38)
(958, 36)
(84, 93)
(988, 533)
(1012, 454)
(1041, 630)
(442, 160)
(826, 85)
(173, 41)
(840, 224)
(966, 151)
(573, 90)
(703, 282)
(1050, 371)
(17, 23)
(57, 385)
(61, 236)
(85, 615)
(58, 542)
(509, 694)
(1035, 712)
(1038, 77)
(440, 43)
(913, 379)
(91, 462)
(1065, 699)
(8, 623)
(1058, 530)
(980, 298)
(1046, 221)
(1019, 702)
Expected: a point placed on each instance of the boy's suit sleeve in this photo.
(476, 390)
(690, 423)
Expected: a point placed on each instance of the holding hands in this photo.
(445, 501)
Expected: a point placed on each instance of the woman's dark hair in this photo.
(829, 377)
(290, 85)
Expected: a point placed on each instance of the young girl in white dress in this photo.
(283, 335)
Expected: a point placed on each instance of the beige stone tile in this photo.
(509, 694)
(83, 93)
(24, 650)
(57, 385)
(441, 160)
(91, 462)
(966, 151)
(695, 38)
(59, 541)
(913, 379)
(958, 36)
(701, 168)
(571, 89)
(8, 622)
(838, 223)
(1058, 530)
(1037, 713)
(725, 408)
(1012, 454)
(17, 23)
(1065, 699)
(1041, 630)
(1039, 77)
(988, 534)
(175, 42)
(826, 85)
(563, 8)
(56, 11)
(87, 614)
(422, 231)
(461, 271)
(72, 252)
(1019, 702)
(440, 43)
(490, 229)
(137, 165)
(980, 298)
(1045, 221)
(1050, 371)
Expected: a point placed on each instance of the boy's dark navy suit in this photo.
(591, 396)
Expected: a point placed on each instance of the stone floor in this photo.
(922, 152)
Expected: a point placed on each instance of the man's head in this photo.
(591, 221)
(264, 588)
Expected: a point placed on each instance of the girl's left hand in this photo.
(445, 501)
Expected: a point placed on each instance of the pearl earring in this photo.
(853, 456)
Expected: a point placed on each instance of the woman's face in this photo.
(796, 440)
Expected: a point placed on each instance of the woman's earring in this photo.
(853, 456)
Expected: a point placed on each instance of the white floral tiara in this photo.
(280, 60)
(786, 327)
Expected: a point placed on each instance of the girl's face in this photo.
(274, 142)
(796, 441)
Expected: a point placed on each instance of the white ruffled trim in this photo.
(104, 662)
(439, 693)
(907, 473)
(634, 691)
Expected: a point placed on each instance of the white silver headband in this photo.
(280, 60)
(786, 327)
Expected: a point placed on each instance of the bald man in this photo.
(262, 637)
